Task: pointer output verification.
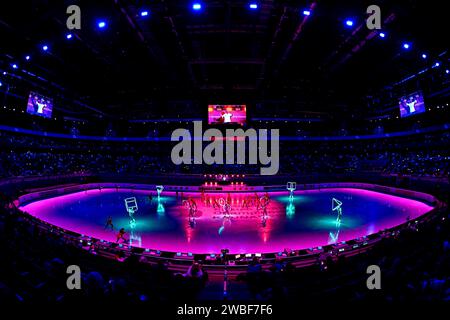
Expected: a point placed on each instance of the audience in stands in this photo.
(424, 156)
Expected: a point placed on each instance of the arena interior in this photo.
(233, 152)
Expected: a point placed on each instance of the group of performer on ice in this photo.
(247, 202)
(120, 235)
(260, 203)
(224, 205)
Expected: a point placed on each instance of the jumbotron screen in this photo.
(39, 105)
(412, 104)
(227, 114)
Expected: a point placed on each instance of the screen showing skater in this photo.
(39, 105)
(227, 114)
(412, 104)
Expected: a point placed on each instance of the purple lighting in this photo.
(349, 23)
(382, 35)
(306, 12)
(406, 46)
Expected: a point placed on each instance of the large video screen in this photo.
(39, 105)
(412, 104)
(227, 114)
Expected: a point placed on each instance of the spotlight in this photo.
(44, 47)
(27, 58)
(446, 71)
(144, 13)
(306, 12)
(14, 66)
(253, 6)
(69, 36)
(382, 35)
(197, 6)
(437, 64)
(424, 56)
(406, 46)
(349, 23)
(101, 24)
(1, 84)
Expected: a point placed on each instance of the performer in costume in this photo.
(41, 106)
(109, 223)
(411, 105)
(227, 117)
(121, 235)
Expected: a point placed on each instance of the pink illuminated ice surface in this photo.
(364, 212)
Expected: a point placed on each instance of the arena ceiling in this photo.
(222, 53)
